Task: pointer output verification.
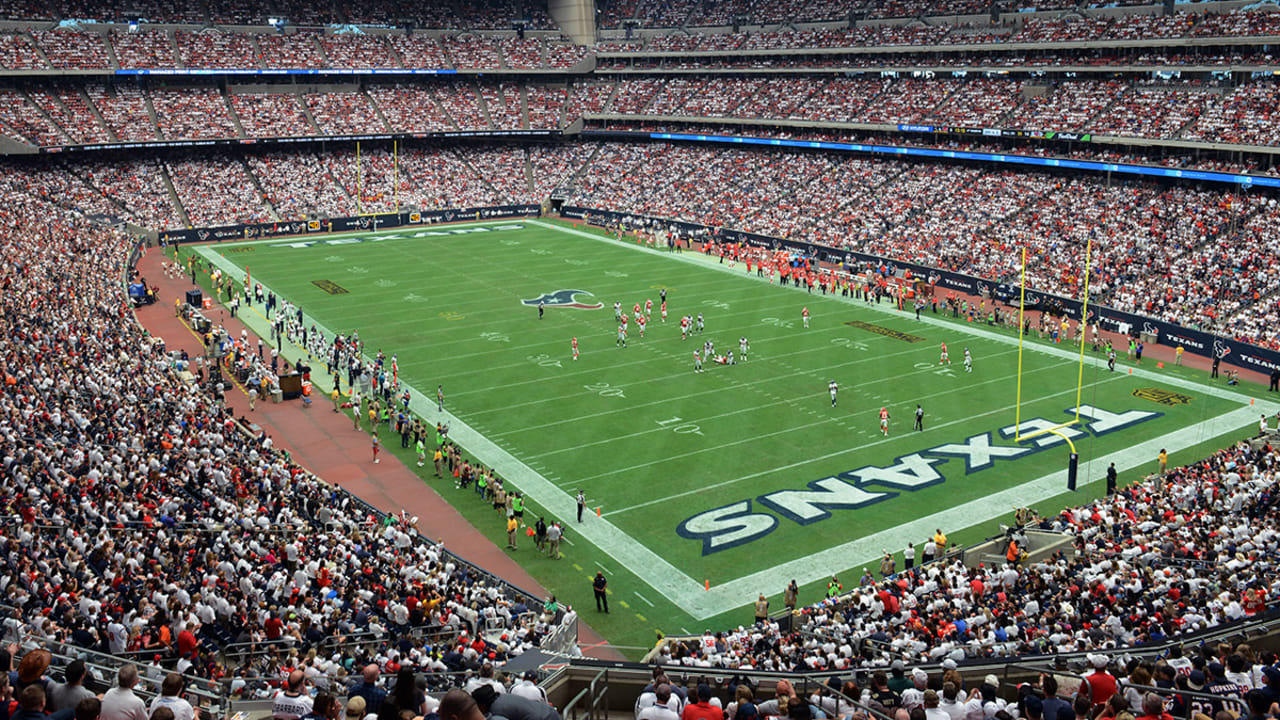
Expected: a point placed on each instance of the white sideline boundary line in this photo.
(690, 595)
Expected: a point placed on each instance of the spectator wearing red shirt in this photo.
(703, 709)
(273, 627)
(1102, 684)
(187, 643)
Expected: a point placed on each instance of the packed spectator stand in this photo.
(1204, 534)
(131, 525)
(208, 479)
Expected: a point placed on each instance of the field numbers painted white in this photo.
(604, 390)
(543, 360)
(679, 426)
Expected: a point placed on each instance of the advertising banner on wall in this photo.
(346, 224)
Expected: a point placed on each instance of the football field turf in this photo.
(742, 477)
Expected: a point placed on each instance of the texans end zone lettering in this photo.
(739, 523)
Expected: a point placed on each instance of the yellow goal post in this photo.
(1084, 320)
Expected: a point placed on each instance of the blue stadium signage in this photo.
(737, 523)
(1123, 168)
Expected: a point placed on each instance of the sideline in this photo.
(690, 595)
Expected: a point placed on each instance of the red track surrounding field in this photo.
(325, 443)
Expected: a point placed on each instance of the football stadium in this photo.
(641, 359)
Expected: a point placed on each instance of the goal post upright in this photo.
(1022, 311)
(1057, 430)
(1084, 321)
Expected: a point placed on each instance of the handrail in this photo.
(571, 710)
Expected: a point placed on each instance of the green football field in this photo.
(741, 477)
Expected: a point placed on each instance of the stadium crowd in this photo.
(1186, 110)
(1214, 246)
(1174, 554)
(150, 520)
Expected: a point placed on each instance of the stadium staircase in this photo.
(73, 170)
(525, 123)
(440, 109)
(563, 118)
(1177, 134)
(40, 108)
(947, 98)
(231, 112)
(395, 53)
(93, 108)
(173, 195)
(544, 54)
(572, 180)
(481, 176)
(342, 187)
(259, 61)
(111, 52)
(151, 113)
(528, 171)
(306, 111)
(320, 48)
(444, 50)
(377, 111)
(257, 185)
(173, 48)
(482, 104)
(38, 50)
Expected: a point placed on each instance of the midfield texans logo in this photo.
(563, 298)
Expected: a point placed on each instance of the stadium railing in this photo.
(205, 695)
(1193, 701)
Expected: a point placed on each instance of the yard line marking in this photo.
(664, 401)
(579, 481)
(800, 463)
(787, 401)
(648, 565)
(606, 570)
(964, 328)
(645, 599)
(689, 594)
(320, 238)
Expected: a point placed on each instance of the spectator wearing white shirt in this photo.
(952, 701)
(485, 678)
(293, 702)
(931, 709)
(528, 688)
(664, 705)
(119, 703)
(170, 697)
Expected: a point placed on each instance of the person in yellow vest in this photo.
(1164, 460)
(513, 525)
(1177, 356)
(940, 540)
(337, 399)
(1013, 554)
